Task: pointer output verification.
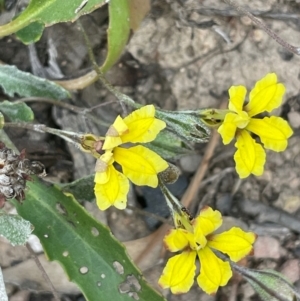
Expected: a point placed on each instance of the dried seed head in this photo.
(15, 170)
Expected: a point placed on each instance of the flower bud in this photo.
(213, 117)
(169, 175)
(92, 144)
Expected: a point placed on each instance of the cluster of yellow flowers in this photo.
(140, 165)
(239, 122)
(198, 240)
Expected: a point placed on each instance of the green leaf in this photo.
(16, 111)
(82, 189)
(31, 33)
(25, 84)
(15, 229)
(1, 5)
(88, 252)
(117, 33)
(50, 12)
(168, 146)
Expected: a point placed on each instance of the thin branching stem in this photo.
(264, 27)
(78, 110)
(45, 275)
(71, 137)
(120, 96)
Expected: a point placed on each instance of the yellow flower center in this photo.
(242, 119)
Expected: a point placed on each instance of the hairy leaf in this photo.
(16, 111)
(25, 84)
(168, 146)
(15, 229)
(82, 189)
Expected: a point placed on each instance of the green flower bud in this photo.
(213, 117)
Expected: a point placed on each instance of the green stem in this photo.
(72, 108)
(71, 137)
(120, 96)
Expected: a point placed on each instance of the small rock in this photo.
(224, 203)
(291, 269)
(190, 163)
(294, 119)
(258, 35)
(287, 202)
(20, 296)
(267, 247)
(10, 254)
(35, 243)
(10, 289)
(247, 290)
(246, 20)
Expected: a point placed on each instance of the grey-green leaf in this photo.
(82, 189)
(16, 111)
(14, 81)
(168, 145)
(15, 229)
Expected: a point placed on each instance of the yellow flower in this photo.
(178, 275)
(273, 131)
(139, 164)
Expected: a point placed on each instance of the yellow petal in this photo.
(228, 128)
(179, 273)
(250, 156)
(237, 96)
(266, 95)
(102, 177)
(206, 222)
(177, 239)
(103, 162)
(113, 135)
(236, 243)
(113, 192)
(142, 125)
(213, 271)
(273, 132)
(140, 164)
